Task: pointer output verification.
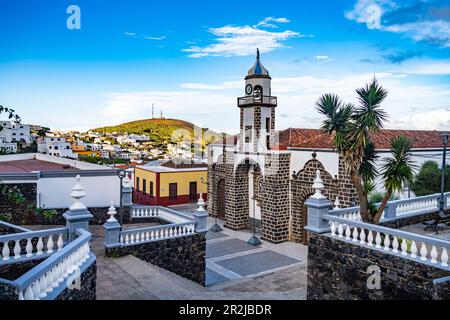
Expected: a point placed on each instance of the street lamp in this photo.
(121, 174)
(441, 215)
(445, 138)
(254, 240)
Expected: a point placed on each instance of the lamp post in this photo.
(121, 174)
(254, 240)
(441, 215)
(445, 138)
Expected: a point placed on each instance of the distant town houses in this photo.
(14, 136)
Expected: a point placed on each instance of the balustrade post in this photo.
(318, 205)
(201, 215)
(127, 192)
(390, 212)
(78, 216)
(112, 228)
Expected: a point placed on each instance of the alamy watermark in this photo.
(374, 280)
(73, 21)
(374, 17)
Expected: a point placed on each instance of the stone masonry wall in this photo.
(340, 186)
(185, 256)
(88, 286)
(301, 189)
(337, 270)
(275, 198)
(86, 291)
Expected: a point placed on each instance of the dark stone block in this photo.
(338, 270)
(185, 256)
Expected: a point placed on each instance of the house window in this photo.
(248, 134)
(173, 191)
(267, 124)
(151, 189)
(144, 186)
(137, 183)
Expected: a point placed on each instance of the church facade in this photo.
(264, 176)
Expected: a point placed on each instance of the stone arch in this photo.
(301, 190)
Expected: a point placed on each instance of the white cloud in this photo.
(425, 28)
(422, 67)
(432, 31)
(243, 40)
(322, 57)
(215, 104)
(145, 37)
(432, 120)
(267, 22)
(155, 38)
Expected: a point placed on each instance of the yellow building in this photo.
(169, 184)
(88, 153)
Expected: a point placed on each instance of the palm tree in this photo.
(352, 127)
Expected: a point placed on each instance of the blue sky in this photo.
(189, 59)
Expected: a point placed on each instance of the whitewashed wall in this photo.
(54, 192)
(330, 160)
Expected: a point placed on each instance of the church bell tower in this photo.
(257, 109)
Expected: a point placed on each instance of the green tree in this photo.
(428, 180)
(351, 128)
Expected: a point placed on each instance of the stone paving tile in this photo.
(226, 247)
(258, 262)
(215, 235)
(213, 277)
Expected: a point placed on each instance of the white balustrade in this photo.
(159, 212)
(156, 234)
(389, 242)
(25, 247)
(53, 278)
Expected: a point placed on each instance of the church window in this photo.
(248, 134)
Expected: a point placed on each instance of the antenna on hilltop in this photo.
(161, 114)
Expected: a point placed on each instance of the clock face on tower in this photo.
(249, 89)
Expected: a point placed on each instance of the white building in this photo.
(54, 179)
(56, 146)
(13, 133)
(7, 147)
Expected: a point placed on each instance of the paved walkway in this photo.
(235, 271)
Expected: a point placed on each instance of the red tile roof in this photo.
(32, 165)
(315, 139)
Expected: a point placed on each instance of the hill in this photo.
(159, 130)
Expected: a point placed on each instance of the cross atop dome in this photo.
(258, 69)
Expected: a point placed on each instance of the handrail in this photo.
(13, 226)
(48, 271)
(33, 234)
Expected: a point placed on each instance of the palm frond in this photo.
(399, 168)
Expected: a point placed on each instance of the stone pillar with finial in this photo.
(127, 192)
(78, 216)
(112, 228)
(318, 205)
(201, 215)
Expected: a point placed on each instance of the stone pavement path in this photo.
(129, 278)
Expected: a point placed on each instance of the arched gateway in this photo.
(250, 178)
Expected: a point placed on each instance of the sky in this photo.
(110, 61)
